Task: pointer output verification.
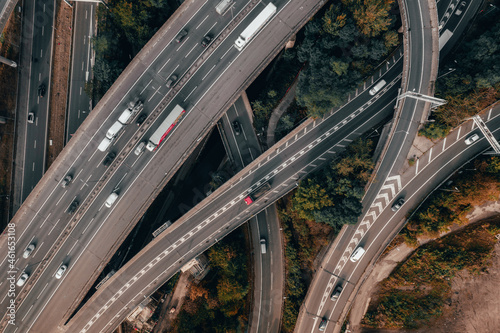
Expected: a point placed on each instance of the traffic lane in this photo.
(79, 103)
(196, 241)
(272, 285)
(41, 47)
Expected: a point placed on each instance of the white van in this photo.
(111, 199)
(377, 87)
(357, 254)
(263, 246)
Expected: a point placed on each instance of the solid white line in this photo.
(206, 33)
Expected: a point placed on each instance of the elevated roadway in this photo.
(210, 79)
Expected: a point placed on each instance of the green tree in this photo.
(334, 19)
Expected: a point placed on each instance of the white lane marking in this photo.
(53, 227)
(208, 72)
(201, 22)
(165, 64)
(45, 221)
(187, 54)
(147, 85)
(42, 291)
(190, 93)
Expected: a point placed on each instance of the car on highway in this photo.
(460, 8)
(141, 119)
(60, 271)
(171, 81)
(108, 159)
(140, 148)
(111, 199)
(206, 40)
(28, 250)
(322, 325)
(263, 247)
(237, 127)
(357, 254)
(66, 181)
(22, 279)
(471, 139)
(72, 208)
(41, 90)
(183, 33)
(31, 117)
(336, 293)
(397, 204)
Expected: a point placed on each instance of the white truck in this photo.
(132, 110)
(223, 6)
(165, 127)
(254, 27)
(444, 38)
(110, 135)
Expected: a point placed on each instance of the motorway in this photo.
(193, 239)
(94, 231)
(40, 23)
(224, 210)
(268, 275)
(79, 104)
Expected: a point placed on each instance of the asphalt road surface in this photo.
(38, 103)
(93, 227)
(79, 104)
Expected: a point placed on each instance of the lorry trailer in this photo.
(165, 127)
(254, 27)
(263, 189)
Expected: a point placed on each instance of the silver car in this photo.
(28, 251)
(61, 271)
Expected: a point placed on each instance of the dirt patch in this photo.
(9, 48)
(59, 80)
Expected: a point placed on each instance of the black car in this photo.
(398, 204)
(206, 41)
(183, 33)
(41, 90)
(108, 159)
(72, 208)
(236, 127)
(141, 119)
(336, 293)
(171, 81)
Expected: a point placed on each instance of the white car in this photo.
(460, 8)
(22, 279)
(61, 271)
(471, 139)
(357, 254)
(28, 251)
(31, 117)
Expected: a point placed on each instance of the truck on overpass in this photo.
(165, 128)
(254, 27)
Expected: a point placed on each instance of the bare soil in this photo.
(9, 48)
(475, 302)
(59, 80)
